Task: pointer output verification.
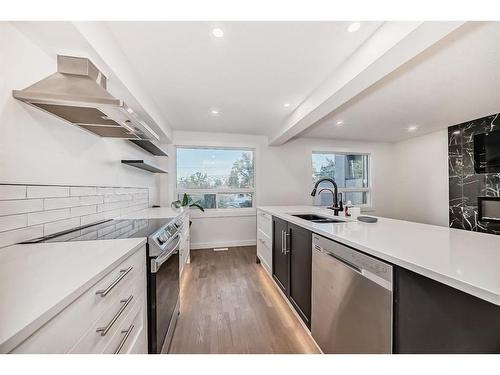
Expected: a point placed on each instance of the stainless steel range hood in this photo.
(77, 93)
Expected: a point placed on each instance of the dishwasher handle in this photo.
(374, 274)
(345, 262)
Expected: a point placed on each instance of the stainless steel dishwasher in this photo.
(351, 300)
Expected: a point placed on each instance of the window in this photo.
(216, 177)
(350, 172)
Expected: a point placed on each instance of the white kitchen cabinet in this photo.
(95, 322)
(131, 336)
(264, 240)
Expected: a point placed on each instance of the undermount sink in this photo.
(318, 219)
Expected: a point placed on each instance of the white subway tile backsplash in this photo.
(105, 191)
(83, 210)
(91, 200)
(47, 192)
(59, 226)
(112, 214)
(54, 203)
(112, 198)
(20, 206)
(92, 218)
(12, 192)
(48, 216)
(82, 191)
(13, 222)
(127, 210)
(126, 229)
(121, 224)
(19, 235)
(108, 206)
(140, 203)
(89, 236)
(120, 191)
(31, 211)
(139, 196)
(106, 230)
(126, 197)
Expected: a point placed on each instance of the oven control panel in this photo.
(166, 233)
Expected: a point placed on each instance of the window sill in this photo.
(228, 212)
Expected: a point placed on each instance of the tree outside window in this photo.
(217, 177)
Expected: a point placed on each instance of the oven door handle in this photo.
(156, 263)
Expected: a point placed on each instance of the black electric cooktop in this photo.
(107, 230)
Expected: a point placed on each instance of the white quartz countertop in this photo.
(37, 281)
(155, 213)
(468, 261)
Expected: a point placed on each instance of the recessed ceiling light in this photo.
(215, 112)
(412, 128)
(218, 32)
(339, 123)
(353, 27)
(286, 105)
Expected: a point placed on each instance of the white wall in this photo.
(283, 177)
(37, 148)
(409, 179)
(420, 191)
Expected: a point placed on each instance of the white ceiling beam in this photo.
(105, 45)
(391, 46)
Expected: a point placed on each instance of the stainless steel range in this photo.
(163, 239)
(163, 286)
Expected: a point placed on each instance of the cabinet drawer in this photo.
(131, 335)
(264, 249)
(265, 240)
(110, 322)
(265, 222)
(63, 331)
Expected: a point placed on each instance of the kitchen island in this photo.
(444, 279)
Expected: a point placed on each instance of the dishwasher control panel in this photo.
(353, 258)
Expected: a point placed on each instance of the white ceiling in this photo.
(456, 80)
(247, 75)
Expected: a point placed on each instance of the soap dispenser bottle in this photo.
(348, 207)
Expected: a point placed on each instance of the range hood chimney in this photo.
(77, 93)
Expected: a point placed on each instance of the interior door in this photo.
(300, 246)
(280, 257)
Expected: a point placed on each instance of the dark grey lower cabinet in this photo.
(300, 271)
(430, 317)
(292, 264)
(281, 264)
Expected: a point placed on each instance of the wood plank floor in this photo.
(230, 305)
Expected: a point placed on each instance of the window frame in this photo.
(218, 191)
(368, 190)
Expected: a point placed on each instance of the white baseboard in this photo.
(210, 245)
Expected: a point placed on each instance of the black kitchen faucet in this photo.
(336, 207)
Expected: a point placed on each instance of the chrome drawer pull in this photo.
(105, 330)
(104, 292)
(124, 339)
